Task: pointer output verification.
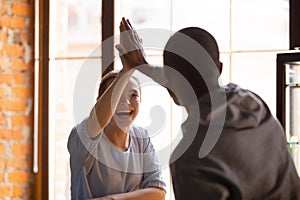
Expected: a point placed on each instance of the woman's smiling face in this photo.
(129, 104)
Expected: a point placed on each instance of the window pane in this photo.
(155, 115)
(212, 16)
(73, 88)
(292, 106)
(257, 72)
(143, 13)
(295, 152)
(76, 29)
(159, 116)
(260, 24)
(151, 19)
(225, 75)
(238, 26)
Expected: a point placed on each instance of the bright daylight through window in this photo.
(249, 33)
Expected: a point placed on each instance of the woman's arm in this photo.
(150, 193)
(106, 105)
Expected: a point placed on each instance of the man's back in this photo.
(250, 160)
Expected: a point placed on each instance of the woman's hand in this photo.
(150, 193)
(130, 47)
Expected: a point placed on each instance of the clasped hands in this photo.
(130, 48)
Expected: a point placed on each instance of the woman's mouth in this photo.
(124, 114)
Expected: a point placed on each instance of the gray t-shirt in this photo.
(99, 168)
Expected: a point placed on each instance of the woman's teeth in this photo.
(124, 113)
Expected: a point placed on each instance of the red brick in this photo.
(19, 177)
(22, 92)
(2, 8)
(3, 162)
(21, 149)
(13, 105)
(18, 163)
(2, 148)
(3, 35)
(12, 78)
(2, 120)
(3, 63)
(2, 11)
(2, 95)
(13, 50)
(25, 1)
(11, 134)
(5, 191)
(21, 120)
(22, 9)
(13, 22)
(1, 176)
(19, 65)
(17, 191)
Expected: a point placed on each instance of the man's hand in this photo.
(130, 48)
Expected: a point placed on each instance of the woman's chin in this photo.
(124, 123)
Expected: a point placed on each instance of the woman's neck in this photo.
(118, 137)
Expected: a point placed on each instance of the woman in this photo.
(110, 157)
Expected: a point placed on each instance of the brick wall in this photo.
(16, 100)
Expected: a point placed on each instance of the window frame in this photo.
(41, 178)
(294, 24)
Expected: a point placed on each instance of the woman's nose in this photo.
(124, 100)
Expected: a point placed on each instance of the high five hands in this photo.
(130, 48)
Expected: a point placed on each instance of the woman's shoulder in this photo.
(137, 131)
(139, 137)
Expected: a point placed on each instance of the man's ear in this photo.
(221, 68)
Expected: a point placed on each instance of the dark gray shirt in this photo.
(250, 160)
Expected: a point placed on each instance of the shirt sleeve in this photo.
(167, 77)
(157, 73)
(79, 144)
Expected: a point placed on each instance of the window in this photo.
(240, 32)
(248, 40)
(75, 38)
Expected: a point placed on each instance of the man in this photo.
(238, 149)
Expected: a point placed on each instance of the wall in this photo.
(16, 100)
